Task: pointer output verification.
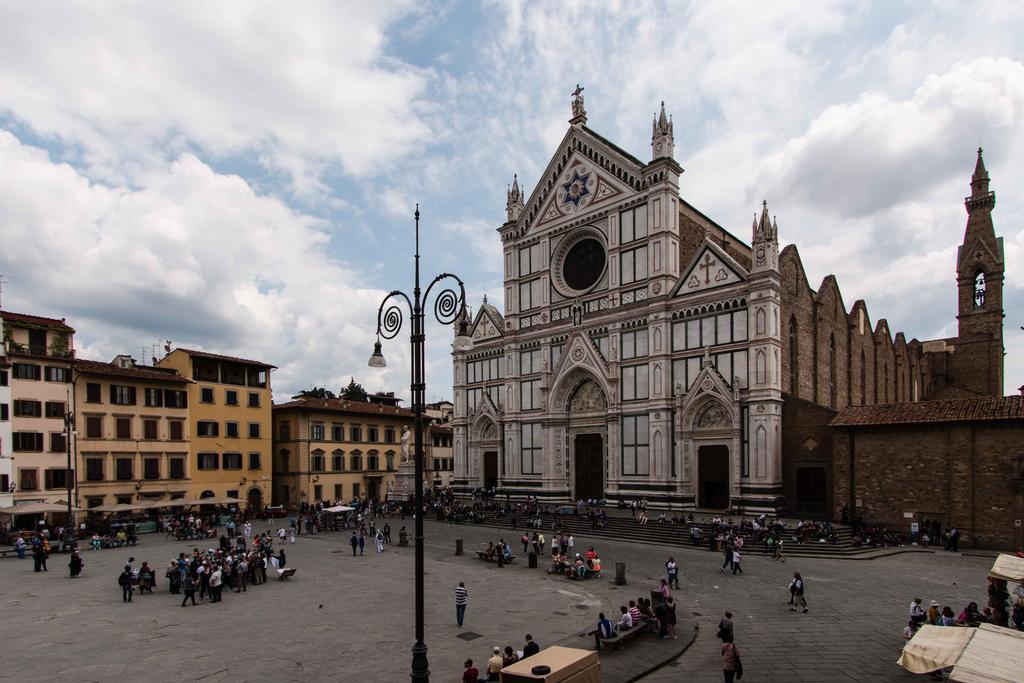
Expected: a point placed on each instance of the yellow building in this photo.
(331, 450)
(229, 422)
(132, 432)
(40, 351)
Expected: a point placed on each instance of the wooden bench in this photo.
(483, 556)
(620, 637)
(589, 574)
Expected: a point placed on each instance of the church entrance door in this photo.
(490, 469)
(589, 461)
(713, 472)
(811, 494)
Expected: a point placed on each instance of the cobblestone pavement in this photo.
(350, 619)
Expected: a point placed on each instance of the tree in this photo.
(354, 391)
(315, 392)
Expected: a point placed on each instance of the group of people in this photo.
(122, 537)
(580, 567)
(500, 658)
(1002, 609)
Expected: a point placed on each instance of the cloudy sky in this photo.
(241, 177)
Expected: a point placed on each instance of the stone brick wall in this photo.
(959, 472)
(806, 442)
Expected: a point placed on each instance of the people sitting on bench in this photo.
(559, 564)
(625, 621)
(579, 569)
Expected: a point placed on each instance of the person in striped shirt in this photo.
(461, 600)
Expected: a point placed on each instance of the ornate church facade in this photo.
(645, 351)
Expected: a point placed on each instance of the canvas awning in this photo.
(120, 507)
(36, 508)
(339, 508)
(1009, 567)
(987, 654)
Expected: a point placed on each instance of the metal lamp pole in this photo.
(448, 307)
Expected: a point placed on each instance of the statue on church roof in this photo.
(578, 111)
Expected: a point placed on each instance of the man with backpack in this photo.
(125, 582)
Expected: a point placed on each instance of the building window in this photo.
(318, 492)
(124, 469)
(230, 430)
(153, 398)
(745, 439)
(177, 468)
(337, 432)
(600, 342)
(58, 442)
(94, 427)
(123, 426)
(634, 344)
(372, 462)
(255, 461)
(55, 409)
(231, 397)
(316, 431)
(149, 430)
(357, 434)
(357, 462)
(337, 491)
(530, 294)
(57, 374)
(206, 394)
(121, 395)
(863, 378)
(832, 371)
(4, 380)
(633, 265)
(372, 435)
(794, 358)
(24, 408)
(633, 224)
(4, 412)
(27, 371)
(207, 461)
(556, 354)
(634, 382)
(473, 398)
(150, 468)
(177, 430)
(316, 462)
(389, 435)
(94, 469)
(254, 430)
(207, 428)
(57, 478)
(338, 462)
(355, 490)
(389, 459)
(530, 362)
(635, 457)
(530, 453)
(529, 394)
(285, 430)
(484, 370)
(531, 260)
(28, 479)
(254, 399)
(979, 290)
(232, 461)
(175, 399)
(93, 393)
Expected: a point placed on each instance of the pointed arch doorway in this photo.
(587, 408)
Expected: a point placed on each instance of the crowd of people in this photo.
(499, 659)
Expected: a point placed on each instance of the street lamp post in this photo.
(69, 525)
(448, 307)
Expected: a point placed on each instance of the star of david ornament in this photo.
(576, 189)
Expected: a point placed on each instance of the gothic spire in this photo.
(979, 180)
(662, 137)
(514, 203)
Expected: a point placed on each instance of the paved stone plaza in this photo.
(350, 619)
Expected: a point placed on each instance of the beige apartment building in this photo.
(132, 431)
(229, 403)
(40, 351)
(333, 449)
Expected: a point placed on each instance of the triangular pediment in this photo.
(580, 361)
(710, 268)
(583, 173)
(485, 326)
(708, 389)
(979, 251)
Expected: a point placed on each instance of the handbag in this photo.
(739, 667)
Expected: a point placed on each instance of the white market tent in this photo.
(987, 654)
(1009, 567)
(339, 508)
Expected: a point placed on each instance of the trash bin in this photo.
(620, 573)
(458, 546)
(533, 560)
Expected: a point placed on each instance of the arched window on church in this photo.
(899, 382)
(885, 383)
(863, 378)
(979, 290)
(794, 366)
(831, 371)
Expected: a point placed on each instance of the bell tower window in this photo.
(979, 290)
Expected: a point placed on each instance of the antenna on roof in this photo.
(167, 346)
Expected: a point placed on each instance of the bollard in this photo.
(620, 573)
(533, 560)
(458, 546)
(403, 537)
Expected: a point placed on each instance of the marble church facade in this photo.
(644, 350)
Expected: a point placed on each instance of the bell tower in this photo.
(978, 354)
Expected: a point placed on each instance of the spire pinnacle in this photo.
(663, 140)
(979, 179)
(514, 204)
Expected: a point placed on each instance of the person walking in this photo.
(461, 600)
(736, 559)
(39, 557)
(75, 564)
(291, 536)
(243, 575)
(354, 542)
(673, 573)
(125, 581)
(670, 616)
(727, 554)
(387, 533)
(731, 665)
(362, 544)
(19, 547)
(798, 593)
(380, 540)
(725, 632)
(216, 580)
(188, 585)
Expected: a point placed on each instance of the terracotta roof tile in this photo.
(95, 367)
(334, 405)
(36, 320)
(952, 410)
(231, 359)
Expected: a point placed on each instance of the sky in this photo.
(241, 177)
